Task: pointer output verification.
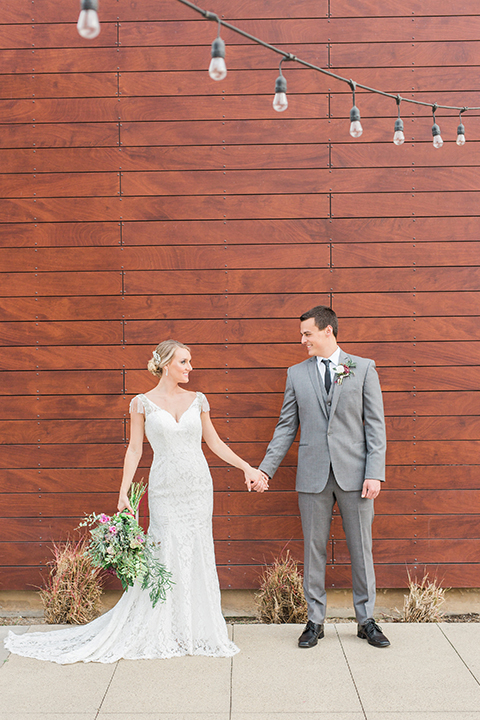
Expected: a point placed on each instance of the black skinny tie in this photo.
(328, 377)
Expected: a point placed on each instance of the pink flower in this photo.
(112, 529)
(104, 518)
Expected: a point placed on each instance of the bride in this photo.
(180, 497)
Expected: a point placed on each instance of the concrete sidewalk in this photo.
(430, 672)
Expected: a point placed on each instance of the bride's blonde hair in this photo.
(162, 355)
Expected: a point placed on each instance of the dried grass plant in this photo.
(72, 590)
(280, 598)
(422, 604)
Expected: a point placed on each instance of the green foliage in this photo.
(119, 545)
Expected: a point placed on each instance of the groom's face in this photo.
(317, 342)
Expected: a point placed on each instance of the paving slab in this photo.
(301, 716)
(4, 630)
(177, 685)
(273, 675)
(465, 637)
(421, 672)
(163, 716)
(34, 686)
(48, 716)
(445, 715)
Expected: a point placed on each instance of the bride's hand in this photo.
(123, 504)
(256, 480)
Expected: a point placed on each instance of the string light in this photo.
(461, 129)
(280, 102)
(88, 25)
(356, 129)
(218, 69)
(398, 136)
(437, 138)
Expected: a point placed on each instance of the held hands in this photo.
(371, 489)
(255, 479)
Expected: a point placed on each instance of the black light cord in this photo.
(214, 17)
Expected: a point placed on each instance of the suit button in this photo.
(329, 402)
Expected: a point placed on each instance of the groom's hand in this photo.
(371, 489)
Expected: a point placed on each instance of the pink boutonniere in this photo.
(343, 371)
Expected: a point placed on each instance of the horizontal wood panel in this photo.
(249, 576)
(406, 54)
(416, 551)
(415, 156)
(236, 231)
(406, 255)
(51, 333)
(420, 304)
(59, 185)
(60, 135)
(339, 576)
(64, 382)
(51, 283)
(350, 29)
(248, 527)
(416, 8)
(146, 208)
(62, 431)
(47, 86)
(136, 159)
(59, 234)
(167, 258)
(403, 204)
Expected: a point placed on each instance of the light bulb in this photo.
(88, 26)
(437, 138)
(398, 136)
(218, 69)
(460, 134)
(280, 102)
(356, 129)
(355, 125)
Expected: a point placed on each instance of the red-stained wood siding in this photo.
(139, 200)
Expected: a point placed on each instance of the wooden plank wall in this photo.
(140, 200)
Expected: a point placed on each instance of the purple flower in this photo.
(112, 529)
(104, 518)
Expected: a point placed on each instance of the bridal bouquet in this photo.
(119, 545)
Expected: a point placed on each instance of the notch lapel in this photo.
(316, 379)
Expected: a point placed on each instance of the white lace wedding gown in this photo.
(190, 622)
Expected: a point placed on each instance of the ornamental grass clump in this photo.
(423, 602)
(72, 590)
(280, 598)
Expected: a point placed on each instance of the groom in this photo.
(337, 401)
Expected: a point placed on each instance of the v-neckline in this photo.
(168, 412)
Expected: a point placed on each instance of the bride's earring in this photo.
(166, 371)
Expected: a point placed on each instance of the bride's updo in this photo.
(162, 355)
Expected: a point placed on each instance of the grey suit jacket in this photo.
(349, 435)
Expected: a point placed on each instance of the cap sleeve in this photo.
(205, 404)
(136, 405)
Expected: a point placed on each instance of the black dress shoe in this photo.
(311, 635)
(371, 632)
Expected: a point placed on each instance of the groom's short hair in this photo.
(323, 316)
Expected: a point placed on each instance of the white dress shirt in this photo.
(334, 360)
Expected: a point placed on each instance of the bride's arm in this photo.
(132, 458)
(253, 478)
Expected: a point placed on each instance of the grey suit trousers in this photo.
(357, 517)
